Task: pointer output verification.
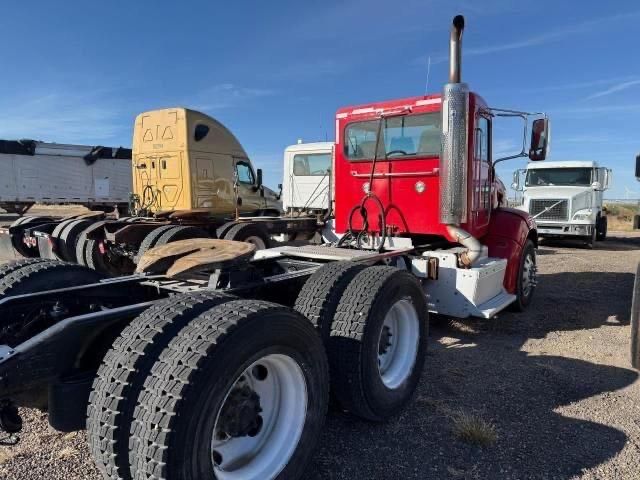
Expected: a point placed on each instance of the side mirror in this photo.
(596, 186)
(516, 181)
(540, 140)
(259, 179)
(279, 196)
(606, 178)
(638, 167)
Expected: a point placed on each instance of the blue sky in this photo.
(277, 71)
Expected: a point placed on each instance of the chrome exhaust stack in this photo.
(455, 145)
(455, 50)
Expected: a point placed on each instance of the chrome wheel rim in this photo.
(261, 420)
(398, 343)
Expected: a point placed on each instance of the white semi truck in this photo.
(565, 198)
(307, 182)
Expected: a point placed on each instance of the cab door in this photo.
(481, 183)
(249, 198)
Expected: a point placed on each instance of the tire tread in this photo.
(121, 376)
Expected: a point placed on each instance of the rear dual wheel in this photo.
(374, 323)
(36, 275)
(236, 390)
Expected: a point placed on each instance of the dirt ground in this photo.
(552, 386)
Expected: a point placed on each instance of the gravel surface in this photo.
(551, 389)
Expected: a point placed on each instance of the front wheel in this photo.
(590, 241)
(527, 277)
(239, 394)
(601, 226)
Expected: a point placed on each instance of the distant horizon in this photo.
(285, 73)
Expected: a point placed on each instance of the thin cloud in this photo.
(599, 110)
(64, 117)
(226, 95)
(311, 68)
(536, 40)
(615, 88)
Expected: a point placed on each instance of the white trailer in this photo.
(565, 198)
(51, 173)
(307, 182)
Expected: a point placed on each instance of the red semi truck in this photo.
(215, 361)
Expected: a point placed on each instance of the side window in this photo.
(245, 173)
(402, 136)
(482, 140)
(200, 132)
(314, 164)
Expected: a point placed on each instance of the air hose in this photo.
(361, 208)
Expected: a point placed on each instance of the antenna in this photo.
(426, 87)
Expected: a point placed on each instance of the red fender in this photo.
(509, 230)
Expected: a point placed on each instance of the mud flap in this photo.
(7, 251)
(45, 247)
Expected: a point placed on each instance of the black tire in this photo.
(321, 293)
(46, 275)
(176, 413)
(18, 245)
(123, 371)
(249, 232)
(37, 277)
(355, 340)
(151, 239)
(524, 296)
(12, 266)
(55, 238)
(81, 245)
(181, 233)
(222, 230)
(635, 322)
(19, 221)
(602, 227)
(590, 241)
(108, 263)
(69, 239)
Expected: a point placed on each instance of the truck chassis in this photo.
(279, 322)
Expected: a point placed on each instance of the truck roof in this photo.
(410, 102)
(563, 164)
(315, 146)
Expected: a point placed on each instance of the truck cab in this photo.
(185, 160)
(565, 198)
(308, 178)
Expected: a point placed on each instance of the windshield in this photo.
(402, 136)
(574, 177)
(311, 164)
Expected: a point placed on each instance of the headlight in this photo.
(584, 214)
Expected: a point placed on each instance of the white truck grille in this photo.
(549, 209)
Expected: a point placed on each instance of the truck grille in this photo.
(557, 209)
